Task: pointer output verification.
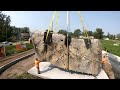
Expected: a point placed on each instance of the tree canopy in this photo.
(5, 31)
(98, 33)
(77, 33)
(64, 32)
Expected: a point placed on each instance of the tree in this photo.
(82, 33)
(25, 30)
(90, 33)
(111, 36)
(114, 37)
(108, 35)
(8, 32)
(118, 36)
(4, 27)
(64, 32)
(95, 34)
(77, 33)
(98, 33)
(71, 34)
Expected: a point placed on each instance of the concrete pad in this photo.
(48, 71)
(102, 75)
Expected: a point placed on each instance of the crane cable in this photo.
(84, 29)
(57, 21)
(50, 24)
(85, 32)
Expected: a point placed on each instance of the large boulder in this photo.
(82, 57)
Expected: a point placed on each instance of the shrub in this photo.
(29, 46)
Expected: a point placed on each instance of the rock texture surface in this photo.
(80, 58)
(85, 60)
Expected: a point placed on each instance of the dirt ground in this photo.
(24, 65)
(19, 68)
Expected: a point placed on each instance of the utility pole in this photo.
(68, 25)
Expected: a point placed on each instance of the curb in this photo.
(6, 66)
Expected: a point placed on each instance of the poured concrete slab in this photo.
(48, 71)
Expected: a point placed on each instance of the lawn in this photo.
(111, 48)
(24, 75)
(105, 44)
(10, 50)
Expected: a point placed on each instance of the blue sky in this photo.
(109, 21)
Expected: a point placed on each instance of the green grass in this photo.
(10, 50)
(111, 48)
(29, 46)
(25, 75)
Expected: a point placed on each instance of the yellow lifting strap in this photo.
(50, 24)
(85, 31)
(57, 21)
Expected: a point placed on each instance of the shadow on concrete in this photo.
(65, 70)
(50, 68)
